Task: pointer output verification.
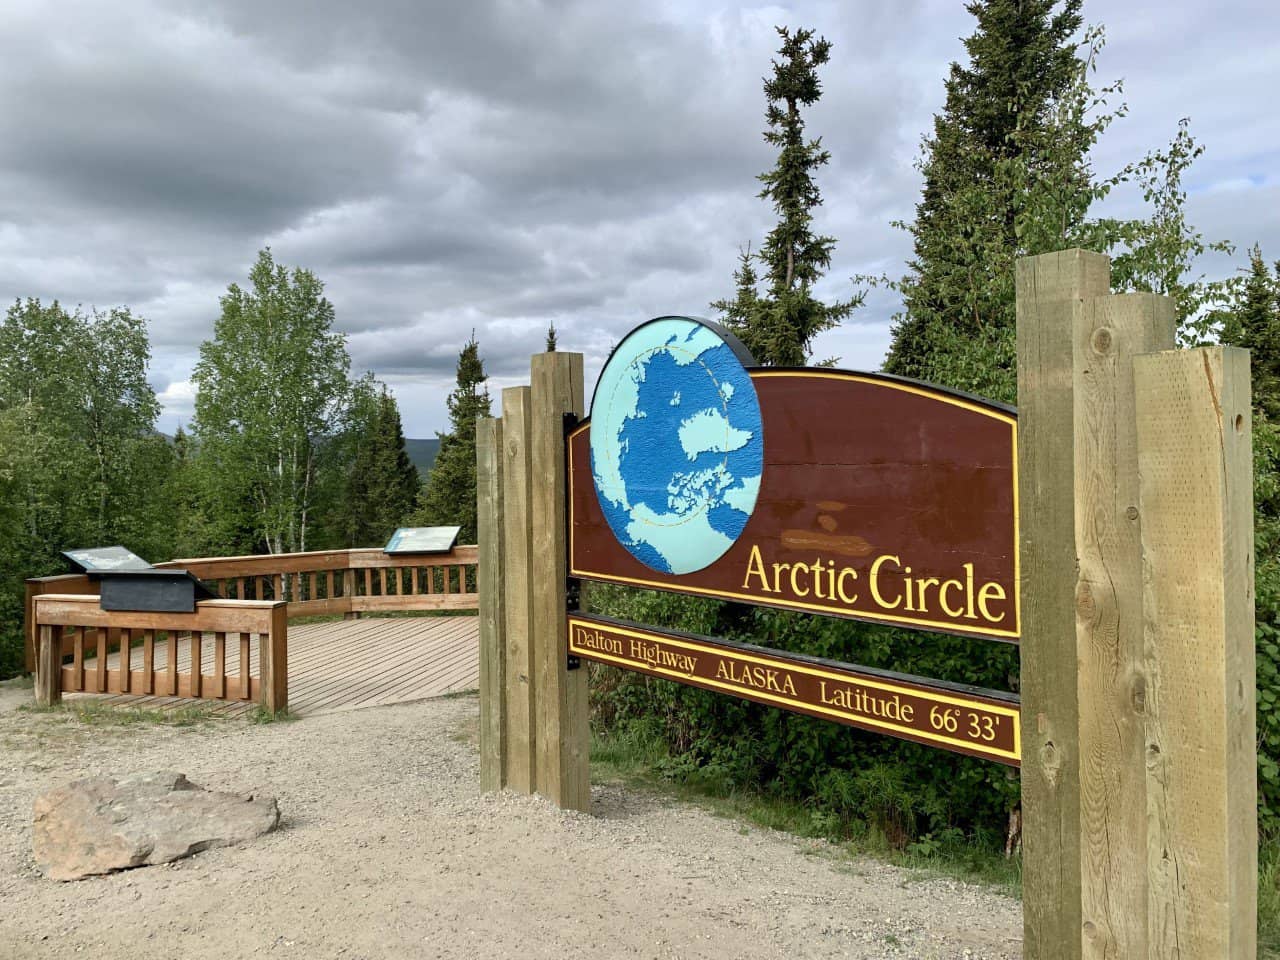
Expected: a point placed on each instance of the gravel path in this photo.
(387, 850)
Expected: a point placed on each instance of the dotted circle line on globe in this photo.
(705, 503)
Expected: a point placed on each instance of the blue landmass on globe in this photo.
(677, 449)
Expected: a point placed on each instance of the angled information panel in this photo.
(847, 494)
(106, 560)
(981, 723)
(422, 540)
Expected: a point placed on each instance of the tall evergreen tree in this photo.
(1254, 323)
(778, 327)
(382, 482)
(450, 494)
(1004, 104)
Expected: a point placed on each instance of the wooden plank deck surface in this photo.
(334, 666)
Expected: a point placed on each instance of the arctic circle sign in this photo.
(676, 448)
(848, 494)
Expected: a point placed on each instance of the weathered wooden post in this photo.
(1195, 462)
(563, 738)
(1088, 667)
(490, 573)
(534, 735)
(517, 535)
(49, 665)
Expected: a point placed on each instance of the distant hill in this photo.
(423, 454)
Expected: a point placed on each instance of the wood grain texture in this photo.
(519, 669)
(489, 574)
(274, 669)
(1109, 332)
(1050, 290)
(563, 740)
(49, 666)
(1196, 499)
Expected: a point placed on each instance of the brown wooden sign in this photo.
(981, 723)
(879, 499)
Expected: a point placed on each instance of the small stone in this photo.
(102, 825)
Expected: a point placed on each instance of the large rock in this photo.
(102, 825)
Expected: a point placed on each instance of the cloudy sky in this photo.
(500, 165)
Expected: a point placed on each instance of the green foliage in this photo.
(80, 461)
(450, 494)
(1252, 320)
(778, 327)
(380, 485)
(1009, 176)
(1011, 102)
(854, 781)
(551, 339)
(273, 393)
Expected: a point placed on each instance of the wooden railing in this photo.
(318, 583)
(78, 622)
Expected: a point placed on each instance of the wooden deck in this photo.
(340, 665)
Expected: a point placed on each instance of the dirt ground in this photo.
(388, 850)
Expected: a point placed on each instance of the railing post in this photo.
(348, 593)
(273, 670)
(49, 667)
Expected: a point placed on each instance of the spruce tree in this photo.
(1004, 104)
(450, 494)
(551, 338)
(1254, 323)
(382, 483)
(778, 327)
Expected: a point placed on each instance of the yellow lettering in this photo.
(942, 597)
(852, 574)
(777, 575)
(875, 581)
(795, 587)
(755, 565)
(922, 587)
(990, 591)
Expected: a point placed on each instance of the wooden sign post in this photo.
(1105, 526)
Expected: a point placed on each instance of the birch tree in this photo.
(272, 393)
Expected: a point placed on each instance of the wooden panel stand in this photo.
(518, 555)
(489, 573)
(563, 738)
(1194, 434)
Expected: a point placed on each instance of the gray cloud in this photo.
(498, 166)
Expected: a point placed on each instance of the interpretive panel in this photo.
(422, 540)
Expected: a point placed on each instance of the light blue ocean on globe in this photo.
(676, 444)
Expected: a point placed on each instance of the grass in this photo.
(644, 764)
(261, 714)
(1269, 901)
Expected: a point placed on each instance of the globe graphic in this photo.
(676, 444)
